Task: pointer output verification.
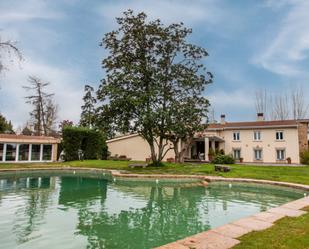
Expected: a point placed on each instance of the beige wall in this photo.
(138, 149)
(134, 147)
(268, 144)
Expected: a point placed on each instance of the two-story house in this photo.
(258, 141)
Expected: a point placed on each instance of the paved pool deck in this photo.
(222, 237)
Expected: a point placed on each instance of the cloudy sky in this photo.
(253, 44)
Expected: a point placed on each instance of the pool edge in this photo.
(222, 237)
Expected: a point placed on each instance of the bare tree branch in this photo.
(8, 48)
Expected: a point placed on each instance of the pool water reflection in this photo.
(80, 212)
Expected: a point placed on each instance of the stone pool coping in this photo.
(222, 237)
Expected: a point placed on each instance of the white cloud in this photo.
(26, 10)
(168, 11)
(67, 96)
(290, 45)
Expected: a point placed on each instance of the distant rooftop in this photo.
(257, 124)
(25, 138)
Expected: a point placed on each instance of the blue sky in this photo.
(253, 44)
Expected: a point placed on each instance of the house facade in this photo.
(251, 142)
(21, 148)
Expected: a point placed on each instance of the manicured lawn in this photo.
(275, 173)
(286, 233)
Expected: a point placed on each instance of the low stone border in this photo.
(225, 236)
(222, 237)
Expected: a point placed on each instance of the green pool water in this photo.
(74, 211)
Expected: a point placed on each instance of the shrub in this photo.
(305, 157)
(223, 159)
(92, 143)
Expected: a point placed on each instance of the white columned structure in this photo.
(206, 139)
(4, 153)
(30, 152)
(41, 152)
(17, 152)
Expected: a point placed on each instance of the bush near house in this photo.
(223, 159)
(91, 142)
(305, 157)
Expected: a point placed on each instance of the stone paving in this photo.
(225, 237)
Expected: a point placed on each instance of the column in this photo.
(30, 152)
(17, 153)
(41, 152)
(213, 145)
(206, 140)
(4, 153)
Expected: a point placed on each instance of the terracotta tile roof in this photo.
(260, 124)
(24, 137)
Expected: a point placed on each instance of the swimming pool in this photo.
(58, 210)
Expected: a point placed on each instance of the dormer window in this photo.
(279, 135)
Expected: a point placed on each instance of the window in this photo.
(1, 151)
(257, 154)
(236, 154)
(35, 152)
(279, 135)
(257, 136)
(280, 154)
(23, 152)
(10, 152)
(47, 152)
(236, 136)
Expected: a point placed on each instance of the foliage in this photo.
(88, 109)
(44, 111)
(65, 123)
(154, 78)
(90, 141)
(26, 131)
(305, 157)
(5, 126)
(223, 159)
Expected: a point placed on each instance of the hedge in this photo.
(90, 141)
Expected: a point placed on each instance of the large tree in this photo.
(150, 69)
(44, 111)
(87, 118)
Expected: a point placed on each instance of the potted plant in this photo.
(241, 160)
(289, 160)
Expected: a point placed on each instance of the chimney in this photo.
(260, 116)
(222, 119)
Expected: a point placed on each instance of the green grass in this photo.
(275, 173)
(286, 233)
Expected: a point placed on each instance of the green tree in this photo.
(5, 126)
(26, 131)
(150, 69)
(88, 109)
(188, 117)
